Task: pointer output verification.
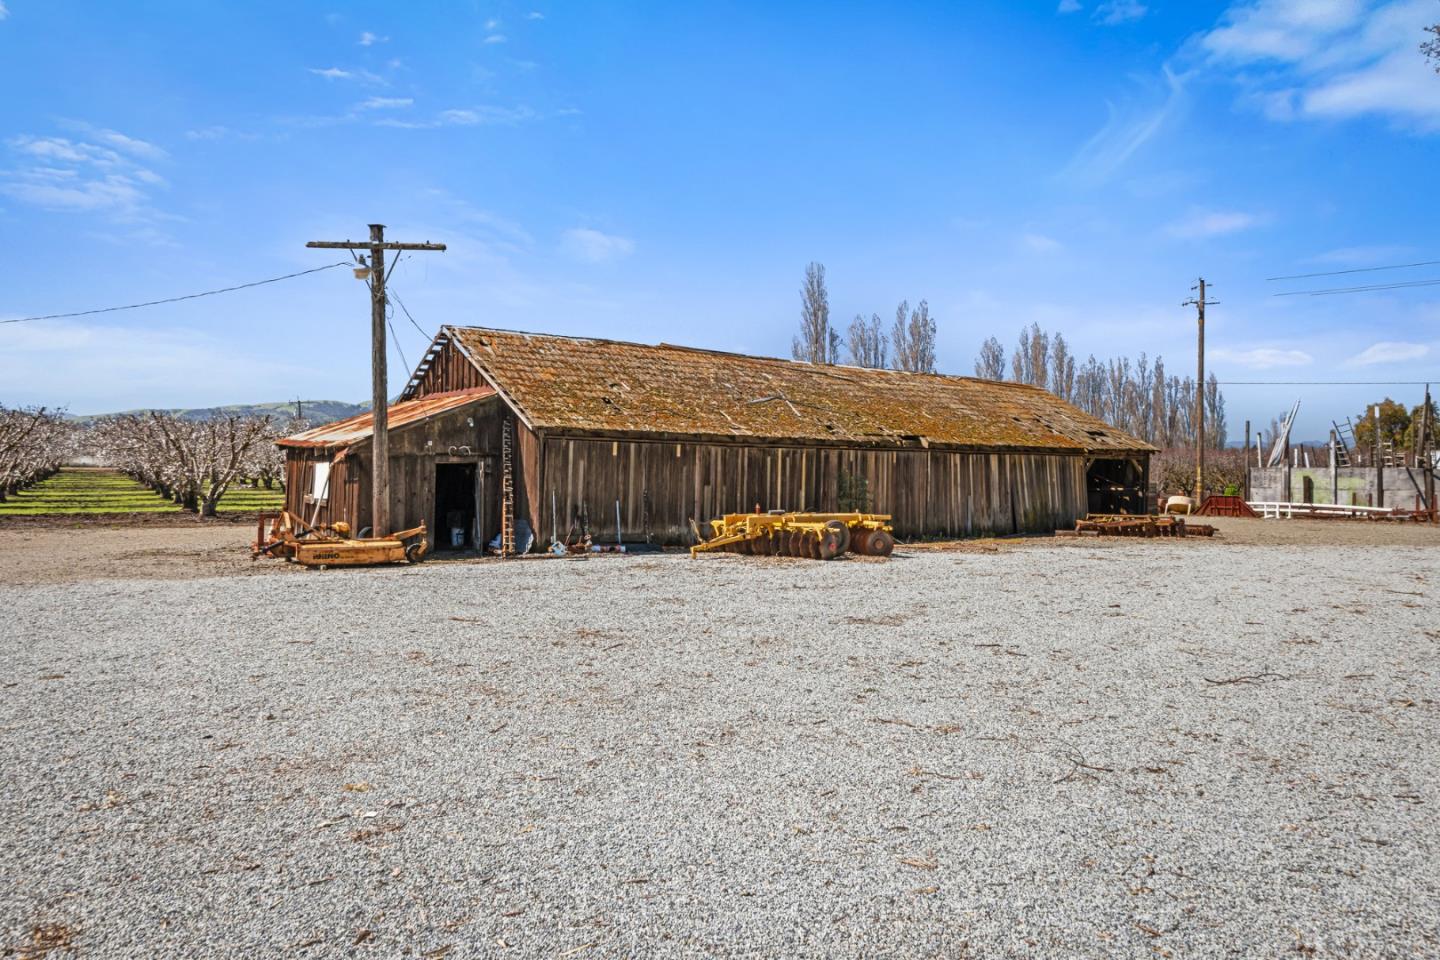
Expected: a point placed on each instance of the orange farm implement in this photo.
(285, 535)
(817, 536)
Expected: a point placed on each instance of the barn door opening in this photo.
(454, 522)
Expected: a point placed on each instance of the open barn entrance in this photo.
(1115, 486)
(454, 522)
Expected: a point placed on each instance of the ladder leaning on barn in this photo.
(507, 489)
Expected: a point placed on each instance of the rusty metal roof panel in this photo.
(588, 385)
(400, 415)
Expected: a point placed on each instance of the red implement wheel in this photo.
(842, 533)
(860, 542)
(880, 544)
(828, 545)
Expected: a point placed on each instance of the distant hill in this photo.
(316, 411)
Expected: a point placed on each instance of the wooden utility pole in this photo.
(1246, 461)
(1379, 460)
(374, 273)
(1199, 302)
(1426, 461)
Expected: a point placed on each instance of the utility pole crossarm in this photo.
(366, 245)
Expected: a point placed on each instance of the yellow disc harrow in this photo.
(817, 536)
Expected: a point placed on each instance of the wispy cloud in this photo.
(219, 132)
(1336, 59)
(368, 39)
(534, 15)
(1128, 128)
(1039, 243)
(1361, 256)
(1068, 6)
(336, 73)
(1389, 351)
(385, 103)
(1202, 224)
(1115, 12)
(4, 10)
(495, 38)
(101, 174)
(1263, 358)
(593, 246)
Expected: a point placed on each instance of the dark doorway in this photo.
(1115, 486)
(454, 506)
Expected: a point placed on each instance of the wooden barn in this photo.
(554, 431)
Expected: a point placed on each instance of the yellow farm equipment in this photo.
(818, 536)
(291, 537)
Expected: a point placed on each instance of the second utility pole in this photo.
(1199, 301)
(379, 388)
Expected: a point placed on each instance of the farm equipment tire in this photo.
(842, 531)
(829, 545)
(879, 544)
(415, 552)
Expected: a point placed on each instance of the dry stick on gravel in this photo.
(1249, 678)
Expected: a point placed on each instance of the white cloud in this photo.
(495, 38)
(83, 176)
(1332, 59)
(1127, 130)
(4, 11)
(1263, 358)
(1040, 243)
(335, 73)
(534, 15)
(385, 103)
(1389, 351)
(476, 116)
(218, 132)
(368, 39)
(1114, 12)
(1212, 223)
(592, 246)
(1068, 6)
(492, 24)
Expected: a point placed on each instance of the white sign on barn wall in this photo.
(320, 487)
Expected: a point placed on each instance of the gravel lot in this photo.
(1073, 749)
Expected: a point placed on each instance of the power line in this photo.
(1365, 289)
(1324, 383)
(1336, 273)
(408, 317)
(188, 296)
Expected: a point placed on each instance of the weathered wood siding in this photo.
(414, 452)
(448, 370)
(930, 493)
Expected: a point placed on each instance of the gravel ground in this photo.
(1069, 750)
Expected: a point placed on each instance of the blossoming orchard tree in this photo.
(193, 462)
(34, 442)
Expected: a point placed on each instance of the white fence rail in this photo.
(1278, 509)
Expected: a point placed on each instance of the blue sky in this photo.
(665, 171)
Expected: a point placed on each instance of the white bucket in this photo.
(457, 536)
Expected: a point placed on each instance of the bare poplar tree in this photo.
(1062, 370)
(990, 362)
(816, 343)
(867, 342)
(1215, 425)
(914, 339)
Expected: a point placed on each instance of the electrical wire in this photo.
(1324, 383)
(417, 326)
(1364, 289)
(1337, 273)
(188, 296)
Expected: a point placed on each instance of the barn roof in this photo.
(574, 384)
(399, 415)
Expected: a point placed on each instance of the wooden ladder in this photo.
(507, 488)
(1346, 442)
